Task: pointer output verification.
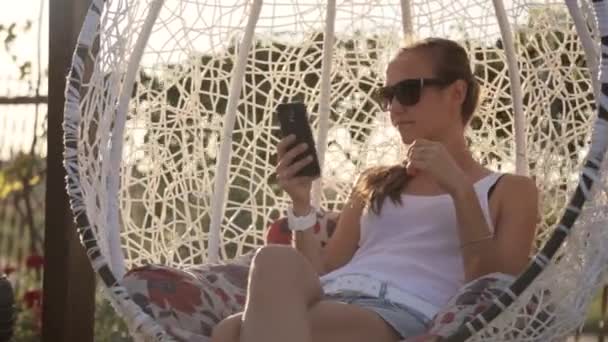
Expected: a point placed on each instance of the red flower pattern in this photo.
(240, 299)
(172, 288)
(220, 292)
(447, 318)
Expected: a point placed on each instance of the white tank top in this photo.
(415, 246)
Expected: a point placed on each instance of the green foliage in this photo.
(595, 315)
(26, 329)
(27, 285)
(108, 325)
(21, 171)
(8, 34)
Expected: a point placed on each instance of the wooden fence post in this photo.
(69, 282)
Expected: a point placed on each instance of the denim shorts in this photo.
(406, 321)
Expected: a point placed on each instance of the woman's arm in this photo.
(340, 247)
(509, 249)
(344, 242)
(306, 242)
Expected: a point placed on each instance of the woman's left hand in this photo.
(434, 159)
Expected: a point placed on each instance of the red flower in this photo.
(448, 317)
(34, 261)
(9, 269)
(317, 228)
(279, 232)
(32, 298)
(172, 288)
(240, 299)
(222, 294)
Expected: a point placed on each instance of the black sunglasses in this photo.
(407, 92)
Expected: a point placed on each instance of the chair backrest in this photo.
(199, 160)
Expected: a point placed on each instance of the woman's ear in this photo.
(459, 92)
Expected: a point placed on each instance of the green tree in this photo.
(9, 34)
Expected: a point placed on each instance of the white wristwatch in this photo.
(300, 223)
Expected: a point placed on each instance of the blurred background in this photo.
(23, 111)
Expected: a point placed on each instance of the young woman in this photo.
(409, 235)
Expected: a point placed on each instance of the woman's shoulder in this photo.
(515, 186)
(517, 197)
(516, 179)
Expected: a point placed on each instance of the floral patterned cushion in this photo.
(189, 303)
(471, 299)
(475, 297)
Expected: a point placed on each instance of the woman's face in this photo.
(435, 114)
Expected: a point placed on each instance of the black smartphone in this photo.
(293, 119)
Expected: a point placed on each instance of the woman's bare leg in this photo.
(283, 285)
(284, 304)
(329, 321)
(228, 330)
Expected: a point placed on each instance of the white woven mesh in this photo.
(176, 116)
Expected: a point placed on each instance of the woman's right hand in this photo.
(298, 188)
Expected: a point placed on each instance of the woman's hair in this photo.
(450, 62)
(379, 182)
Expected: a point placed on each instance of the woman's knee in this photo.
(276, 261)
(227, 330)
(278, 267)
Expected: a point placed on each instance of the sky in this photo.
(16, 122)
(26, 45)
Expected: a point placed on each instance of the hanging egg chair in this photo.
(170, 132)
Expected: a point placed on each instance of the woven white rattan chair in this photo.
(169, 130)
